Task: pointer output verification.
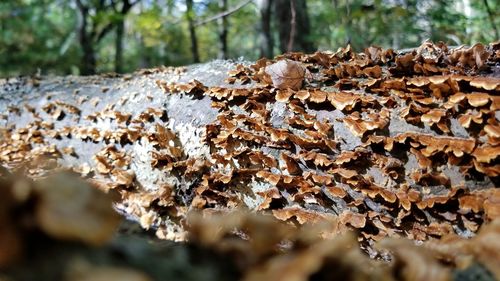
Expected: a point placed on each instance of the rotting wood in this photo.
(379, 140)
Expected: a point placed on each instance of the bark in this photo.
(293, 26)
(223, 29)
(266, 39)
(192, 31)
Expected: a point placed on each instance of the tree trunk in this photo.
(120, 33)
(88, 63)
(90, 33)
(89, 59)
(266, 38)
(145, 55)
(192, 31)
(347, 23)
(120, 30)
(145, 58)
(223, 26)
(293, 26)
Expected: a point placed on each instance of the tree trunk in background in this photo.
(88, 59)
(145, 59)
(492, 18)
(88, 66)
(120, 30)
(192, 31)
(293, 26)
(120, 33)
(348, 23)
(266, 38)
(145, 55)
(90, 32)
(222, 25)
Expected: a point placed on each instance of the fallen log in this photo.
(389, 144)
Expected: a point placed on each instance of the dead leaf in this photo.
(286, 74)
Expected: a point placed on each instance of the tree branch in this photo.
(223, 14)
(104, 31)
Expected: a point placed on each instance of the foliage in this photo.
(36, 34)
(42, 34)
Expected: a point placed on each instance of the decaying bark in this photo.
(388, 144)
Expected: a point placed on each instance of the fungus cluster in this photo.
(391, 144)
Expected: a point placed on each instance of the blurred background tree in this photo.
(94, 36)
